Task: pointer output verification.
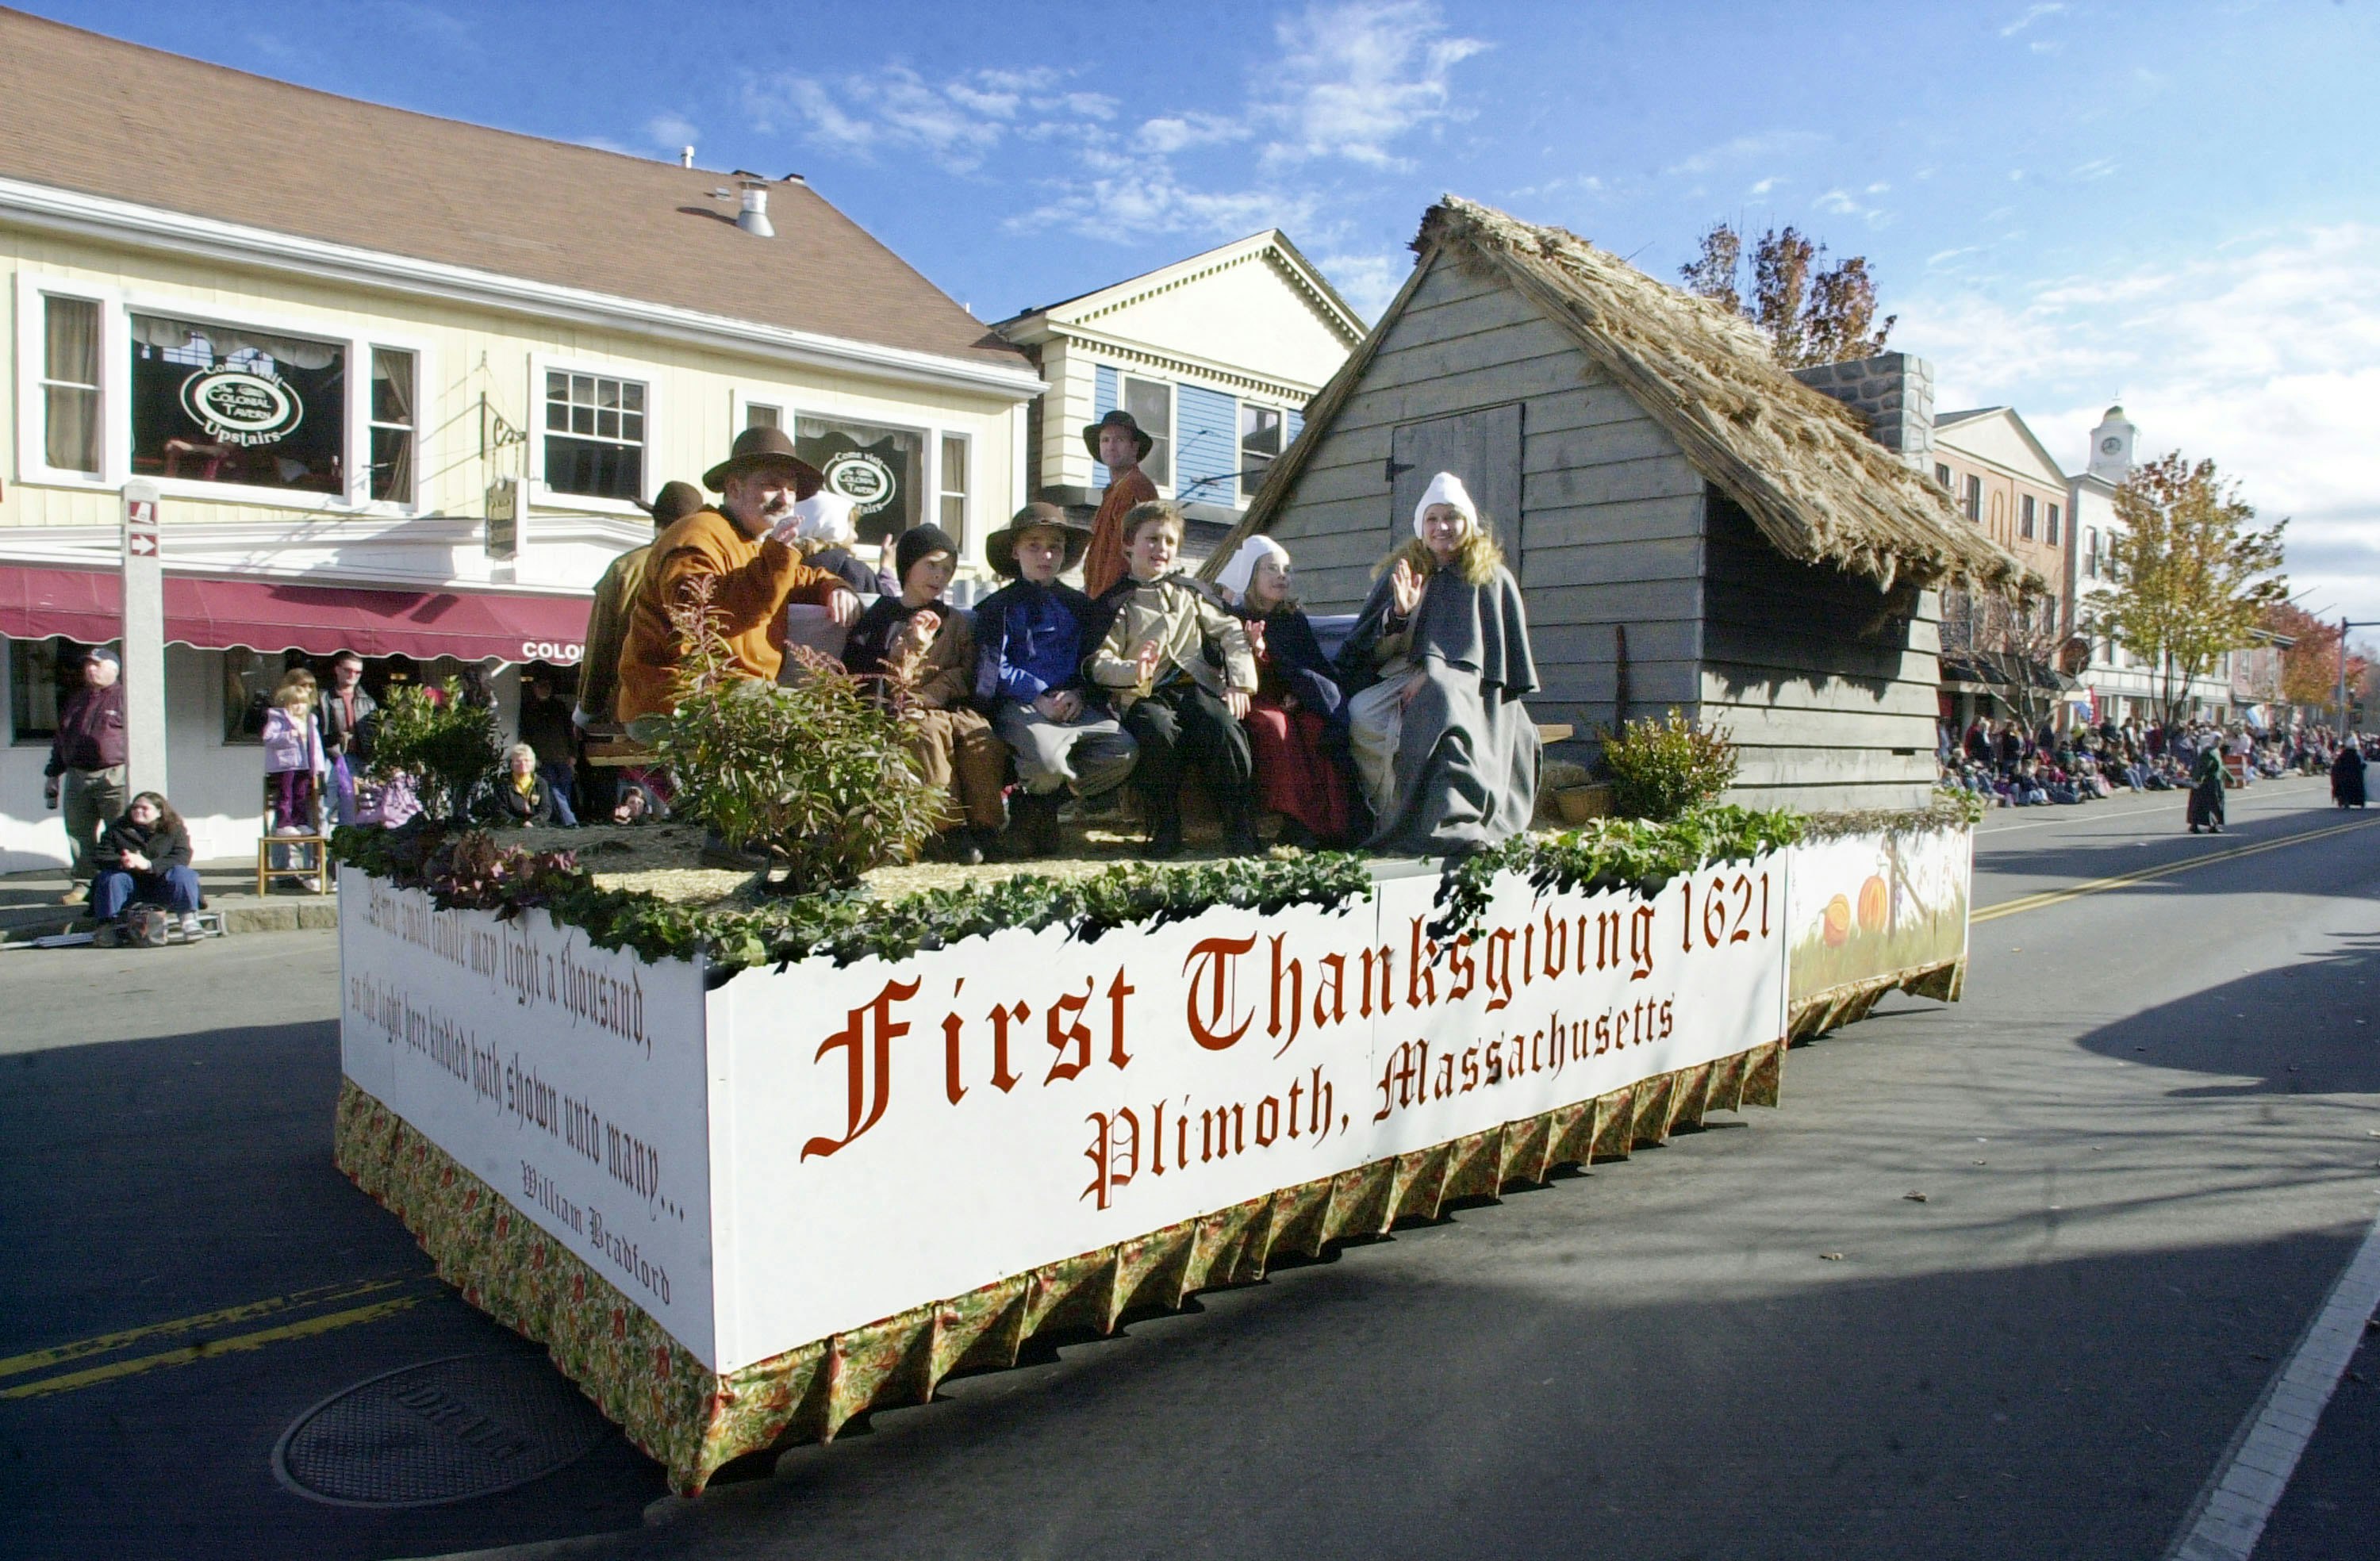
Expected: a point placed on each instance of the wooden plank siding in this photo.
(1828, 684)
(1610, 515)
(1823, 686)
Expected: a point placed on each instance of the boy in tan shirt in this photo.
(1178, 670)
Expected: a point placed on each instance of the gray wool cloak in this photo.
(1467, 761)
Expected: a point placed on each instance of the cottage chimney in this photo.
(1894, 391)
(754, 218)
(685, 157)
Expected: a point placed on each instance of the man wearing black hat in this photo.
(1117, 442)
(1031, 636)
(607, 624)
(751, 575)
(86, 767)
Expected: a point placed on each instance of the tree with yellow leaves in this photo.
(2192, 574)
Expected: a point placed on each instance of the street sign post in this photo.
(144, 642)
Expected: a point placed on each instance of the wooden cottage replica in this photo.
(1693, 528)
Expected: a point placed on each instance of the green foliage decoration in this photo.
(1664, 769)
(448, 745)
(1609, 853)
(817, 776)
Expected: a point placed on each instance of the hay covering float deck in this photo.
(742, 1195)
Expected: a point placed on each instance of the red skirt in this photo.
(1295, 775)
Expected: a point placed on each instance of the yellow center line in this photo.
(246, 1312)
(2141, 875)
(68, 1382)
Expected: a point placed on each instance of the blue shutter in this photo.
(1296, 424)
(1107, 395)
(1206, 446)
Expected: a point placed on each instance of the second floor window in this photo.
(594, 435)
(2090, 552)
(71, 383)
(1260, 435)
(954, 485)
(2024, 514)
(224, 402)
(2053, 526)
(1150, 401)
(1974, 499)
(391, 425)
(1942, 476)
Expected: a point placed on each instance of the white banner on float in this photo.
(895, 1133)
(568, 1077)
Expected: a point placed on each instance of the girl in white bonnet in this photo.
(1436, 669)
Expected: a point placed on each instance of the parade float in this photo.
(750, 1169)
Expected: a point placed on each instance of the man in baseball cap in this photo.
(86, 767)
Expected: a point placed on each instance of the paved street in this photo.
(2146, 1141)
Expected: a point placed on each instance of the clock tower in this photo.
(2111, 446)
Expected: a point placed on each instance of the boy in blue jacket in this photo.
(1031, 637)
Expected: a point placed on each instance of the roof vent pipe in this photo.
(754, 218)
(685, 157)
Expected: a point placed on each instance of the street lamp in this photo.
(2345, 624)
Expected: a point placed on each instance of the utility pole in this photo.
(2345, 624)
(144, 643)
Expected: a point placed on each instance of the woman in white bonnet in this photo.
(820, 528)
(1297, 720)
(1436, 669)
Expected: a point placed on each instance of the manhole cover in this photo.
(442, 1431)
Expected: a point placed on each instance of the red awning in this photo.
(86, 604)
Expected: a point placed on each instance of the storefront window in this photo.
(391, 425)
(1260, 431)
(594, 436)
(41, 672)
(224, 403)
(880, 470)
(249, 678)
(71, 383)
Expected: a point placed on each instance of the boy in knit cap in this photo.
(919, 642)
(1159, 661)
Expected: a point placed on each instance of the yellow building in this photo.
(403, 381)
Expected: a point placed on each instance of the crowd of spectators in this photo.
(2011, 767)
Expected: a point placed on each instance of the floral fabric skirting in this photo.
(694, 1419)
(1838, 1006)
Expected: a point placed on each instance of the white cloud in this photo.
(1350, 80)
(1350, 83)
(1765, 186)
(2265, 357)
(670, 131)
(1744, 149)
(1368, 281)
(1841, 202)
(2031, 14)
(2097, 168)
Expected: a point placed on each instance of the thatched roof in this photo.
(1800, 463)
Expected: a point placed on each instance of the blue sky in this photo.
(2172, 205)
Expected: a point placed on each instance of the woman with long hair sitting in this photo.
(145, 859)
(1436, 669)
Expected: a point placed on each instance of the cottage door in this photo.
(1483, 448)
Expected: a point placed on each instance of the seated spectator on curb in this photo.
(919, 644)
(144, 859)
(1434, 670)
(1296, 724)
(1031, 636)
(1179, 671)
(545, 728)
(523, 799)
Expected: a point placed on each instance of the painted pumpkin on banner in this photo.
(1874, 906)
(1835, 922)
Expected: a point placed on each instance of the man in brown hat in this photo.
(753, 575)
(1031, 636)
(1119, 443)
